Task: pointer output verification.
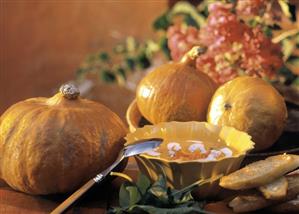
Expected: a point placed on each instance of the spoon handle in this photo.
(76, 195)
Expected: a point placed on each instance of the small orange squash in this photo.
(176, 91)
(54, 145)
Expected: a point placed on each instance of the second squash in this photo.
(176, 91)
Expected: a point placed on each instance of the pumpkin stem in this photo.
(190, 57)
(69, 91)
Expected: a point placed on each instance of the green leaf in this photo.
(162, 22)
(191, 16)
(107, 76)
(288, 9)
(121, 72)
(133, 194)
(163, 43)
(288, 47)
(183, 193)
(159, 192)
(131, 44)
(155, 210)
(159, 189)
(157, 198)
(190, 21)
(150, 48)
(104, 57)
(203, 7)
(188, 9)
(296, 82)
(143, 61)
(183, 198)
(253, 23)
(130, 63)
(287, 74)
(143, 183)
(161, 182)
(115, 210)
(124, 195)
(267, 31)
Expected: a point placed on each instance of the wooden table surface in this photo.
(15, 202)
(97, 200)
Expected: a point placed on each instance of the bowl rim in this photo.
(178, 161)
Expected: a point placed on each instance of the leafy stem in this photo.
(146, 197)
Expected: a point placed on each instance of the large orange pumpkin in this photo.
(54, 145)
(176, 91)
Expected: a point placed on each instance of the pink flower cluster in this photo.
(234, 48)
(251, 7)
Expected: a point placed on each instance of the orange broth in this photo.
(201, 150)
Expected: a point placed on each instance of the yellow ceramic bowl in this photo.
(183, 173)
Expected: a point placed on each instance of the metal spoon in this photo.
(134, 149)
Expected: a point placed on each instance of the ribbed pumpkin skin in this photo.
(175, 92)
(54, 145)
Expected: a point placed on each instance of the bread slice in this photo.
(261, 172)
(253, 200)
(275, 190)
